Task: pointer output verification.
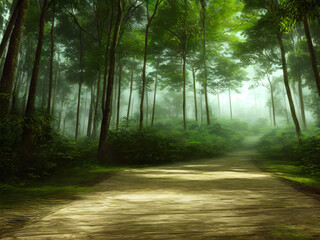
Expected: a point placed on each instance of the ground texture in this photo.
(220, 198)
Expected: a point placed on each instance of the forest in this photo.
(146, 82)
(120, 84)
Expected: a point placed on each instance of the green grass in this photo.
(291, 171)
(66, 184)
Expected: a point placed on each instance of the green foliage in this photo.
(167, 142)
(282, 144)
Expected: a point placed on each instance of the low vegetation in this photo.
(296, 160)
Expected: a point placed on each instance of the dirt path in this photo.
(221, 198)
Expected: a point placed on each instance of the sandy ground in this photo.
(220, 198)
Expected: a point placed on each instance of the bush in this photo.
(283, 144)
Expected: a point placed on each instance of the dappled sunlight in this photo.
(203, 176)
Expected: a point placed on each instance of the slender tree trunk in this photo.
(104, 87)
(286, 83)
(303, 115)
(195, 94)
(273, 106)
(230, 104)
(131, 88)
(147, 106)
(25, 95)
(184, 89)
(80, 85)
(119, 96)
(11, 59)
(205, 64)
(154, 99)
(51, 60)
(90, 122)
(143, 76)
(84, 113)
(27, 128)
(78, 111)
(312, 53)
(36, 66)
(108, 104)
(201, 109)
(145, 60)
(11, 24)
(95, 119)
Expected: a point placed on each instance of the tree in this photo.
(11, 59)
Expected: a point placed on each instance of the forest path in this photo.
(220, 198)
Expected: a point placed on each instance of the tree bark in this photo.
(145, 61)
(51, 61)
(312, 53)
(119, 96)
(80, 85)
(105, 123)
(272, 103)
(7, 32)
(205, 64)
(36, 66)
(303, 115)
(95, 119)
(195, 94)
(286, 83)
(184, 89)
(91, 110)
(104, 87)
(11, 59)
(131, 88)
(143, 76)
(154, 99)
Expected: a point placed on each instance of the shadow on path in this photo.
(220, 198)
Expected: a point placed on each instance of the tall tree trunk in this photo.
(303, 115)
(273, 107)
(91, 111)
(78, 111)
(131, 88)
(27, 128)
(147, 106)
(95, 118)
(143, 76)
(51, 60)
(205, 64)
(104, 87)
(272, 103)
(36, 66)
(154, 98)
(119, 96)
(201, 108)
(108, 103)
(312, 53)
(11, 24)
(184, 89)
(195, 94)
(11, 59)
(145, 59)
(286, 83)
(230, 104)
(80, 85)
